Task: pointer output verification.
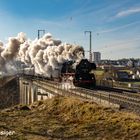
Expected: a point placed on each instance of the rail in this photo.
(121, 85)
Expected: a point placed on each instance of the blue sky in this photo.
(115, 24)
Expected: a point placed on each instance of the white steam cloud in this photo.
(46, 55)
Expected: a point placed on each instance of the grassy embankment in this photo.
(69, 118)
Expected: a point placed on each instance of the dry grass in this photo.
(69, 118)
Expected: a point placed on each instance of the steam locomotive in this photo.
(77, 74)
(81, 74)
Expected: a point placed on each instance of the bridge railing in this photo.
(92, 95)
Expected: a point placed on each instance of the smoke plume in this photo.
(45, 55)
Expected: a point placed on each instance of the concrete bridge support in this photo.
(30, 92)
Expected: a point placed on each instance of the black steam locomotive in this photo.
(75, 74)
(80, 75)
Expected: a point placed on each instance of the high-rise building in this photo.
(96, 57)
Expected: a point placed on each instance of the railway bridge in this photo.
(34, 89)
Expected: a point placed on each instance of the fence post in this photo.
(109, 98)
(100, 83)
(100, 97)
